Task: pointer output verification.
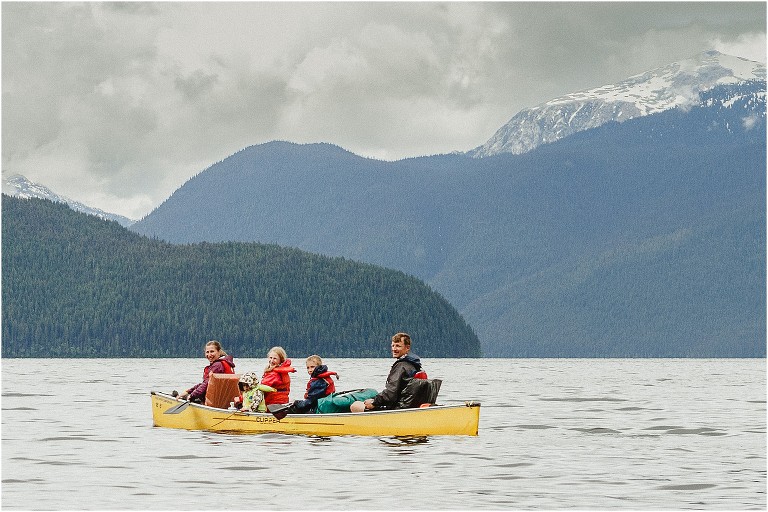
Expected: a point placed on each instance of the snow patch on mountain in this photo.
(672, 86)
(17, 185)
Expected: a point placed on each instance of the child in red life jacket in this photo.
(277, 375)
(320, 385)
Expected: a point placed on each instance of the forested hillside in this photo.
(77, 286)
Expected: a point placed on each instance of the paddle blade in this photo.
(177, 409)
(279, 411)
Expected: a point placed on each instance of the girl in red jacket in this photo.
(276, 375)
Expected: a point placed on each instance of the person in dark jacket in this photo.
(320, 385)
(405, 367)
(220, 362)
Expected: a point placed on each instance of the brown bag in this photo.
(222, 388)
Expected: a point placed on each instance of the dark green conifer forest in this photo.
(77, 286)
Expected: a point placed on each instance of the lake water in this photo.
(554, 433)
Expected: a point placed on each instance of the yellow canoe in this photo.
(437, 420)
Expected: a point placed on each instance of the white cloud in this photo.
(323, 69)
(117, 104)
(751, 46)
(749, 122)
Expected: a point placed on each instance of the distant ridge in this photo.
(16, 185)
(654, 91)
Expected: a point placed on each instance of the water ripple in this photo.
(702, 431)
(185, 457)
(686, 487)
(583, 399)
(596, 430)
(245, 468)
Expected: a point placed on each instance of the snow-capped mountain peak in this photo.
(17, 185)
(675, 85)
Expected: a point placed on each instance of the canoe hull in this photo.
(437, 420)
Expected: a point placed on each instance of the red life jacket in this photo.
(279, 379)
(326, 376)
(227, 367)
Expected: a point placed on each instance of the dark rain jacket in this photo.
(402, 369)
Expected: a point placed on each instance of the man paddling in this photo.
(405, 367)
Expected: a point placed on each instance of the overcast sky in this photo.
(117, 104)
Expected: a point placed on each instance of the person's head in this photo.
(213, 351)
(275, 357)
(247, 381)
(313, 362)
(401, 344)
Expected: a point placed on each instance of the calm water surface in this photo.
(554, 434)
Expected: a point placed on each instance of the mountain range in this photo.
(673, 86)
(628, 220)
(639, 238)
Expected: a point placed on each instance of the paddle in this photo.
(279, 411)
(177, 408)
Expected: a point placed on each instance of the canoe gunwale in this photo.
(467, 403)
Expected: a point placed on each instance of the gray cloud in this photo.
(117, 104)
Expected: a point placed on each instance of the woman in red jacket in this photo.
(276, 375)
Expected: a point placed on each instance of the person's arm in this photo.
(197, 391)
(185, 395)
(391, 390)
(271, 379)
(200, 390)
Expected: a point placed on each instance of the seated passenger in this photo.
(219, 362)
(406, 366)
(320, 385)
(276, 375)
(251, 397)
